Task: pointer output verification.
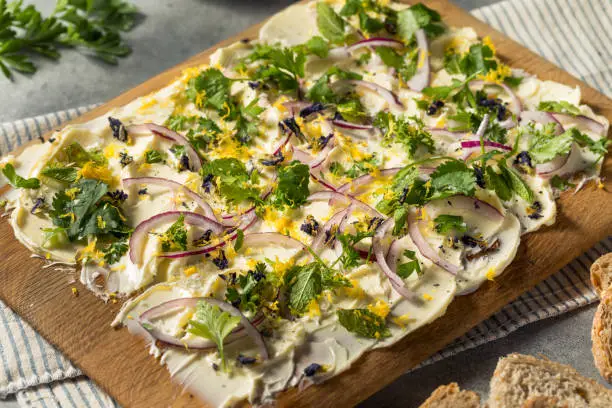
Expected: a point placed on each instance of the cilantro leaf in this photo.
(114, 252)
(545, 145)
(281, 66)
(406, 269)
(318, 46)
(560, 183)
(350, 257)
(153, 156)
(418, 16)
(559, 107)
(17, 181)
(479, 59)
(292, 189)
(210, 89)
(399, 130)
(445, 223)
(363, 323)
(213, 324)
(452, 178)
(599, 146)
(330, 24)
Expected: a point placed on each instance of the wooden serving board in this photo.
(119, 362)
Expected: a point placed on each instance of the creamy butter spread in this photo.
(354, 128)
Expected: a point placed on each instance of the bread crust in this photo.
(601, 273)
(601, 336)
(451, 396)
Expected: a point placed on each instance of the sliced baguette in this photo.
(601, 336)
(451, 396)
(519, 377)
(601, 273)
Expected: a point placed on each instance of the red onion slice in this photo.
(420, 80)
(377, 246)
(424, 247)
(172, 185)
(584, 121)
(322, 182)
(336, 219)
(272, 238)
(138, 238)
(194, 159)
(446, 132)
(282, 144)
(482, 128)
(247, 221)
(351, 126)
(246, 327)
(517, 106)
(472, 144)
(542, 118)
(296, 106)
(340, 198)
(375, 42)
(302, 156)
(461, 202)
(386, 94)
(352, 186)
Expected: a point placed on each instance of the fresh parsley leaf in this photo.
(210, 89)
(213, 324)
(248, 291)
(153, 156)
(599, 146)
(398, 129)
(479, 59)
(559, 107)
(445, 223)
(280, 66)
(350, 257)
(406, 269)
(545, 145)
(363, 323)
(179, 122)
(451, 178)
(513, 82)
(330, 24)
(175, 237)
(17, 181)
(418, 16)
(322, 92)
(114, 252)
(359, 168)
(292, 189)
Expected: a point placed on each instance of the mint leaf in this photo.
(304, 284)
(516, 183)
(213, 324)
(445, 223)
(418, 16)
(330, 24)
(363, 323)
(16, 180)
(408, 268)
(318, 46)
(60, 172)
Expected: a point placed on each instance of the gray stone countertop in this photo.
(174, 30)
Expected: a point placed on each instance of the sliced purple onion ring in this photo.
(351, 126)
(352, 186)
(172, 185)
(557, 165)
(517, 106)
(336, 219)
(246, 327)
(194, 159)
(420, 80)
(475, 144)
(379, 252)
(446, 132)
(271, 238)
(139, 236)
(321, 181)
(386, 94)
(542, 118)
(424, 247)
(461, 202)
(375, 42)
(585, 122)
(340, 198)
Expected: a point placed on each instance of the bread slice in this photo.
(544, 402)
(450, 396)
(518, 377)
(601, 336)
(601, 273)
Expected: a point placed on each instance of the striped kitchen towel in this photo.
(571, 33)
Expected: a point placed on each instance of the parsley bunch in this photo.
(93, 27)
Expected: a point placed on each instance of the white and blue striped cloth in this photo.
(574, 34)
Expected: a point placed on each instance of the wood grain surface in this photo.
(120, 364)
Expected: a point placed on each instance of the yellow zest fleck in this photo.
(47, 256)
(190, 271)
(93, 171)
(216, 285)
(354, 292)
(251, 263)
(441, 122)
(230, 252)
(147, 104)
(218, 66)
(487, 41)
(101, 223)
(144, 167)
(75, 291)
(380, 308)
(283, 225)
(117, 268)
(427, 296)
(422, 59)
(189, 73)
(491, 274)
(279, 104)
(600, 184)
(498, 75)
(280, 267)
(313, 308)
(227, 109)
(403, 320)
(72, 192)
(90, 252)
(199, 102)
(110, 151)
